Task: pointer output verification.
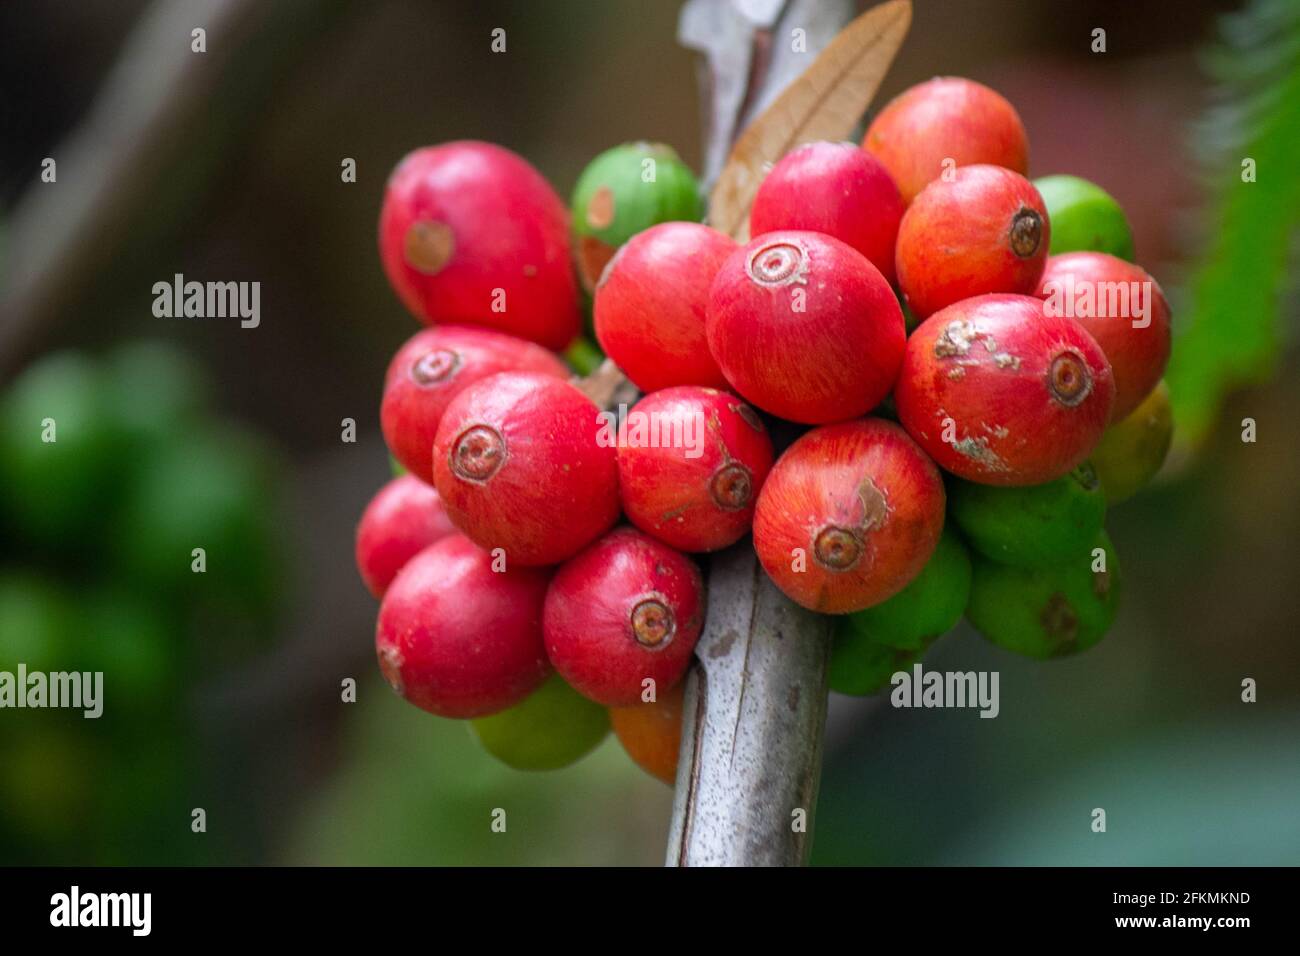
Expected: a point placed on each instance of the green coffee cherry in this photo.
(929, 607)
(1047, 612)
(860, 666)
(552, 728)
(1084, 217)
(155, 391)
(1132, 450)
(215, 489)
(128, 638)
(37, 622)
(60, 451)
(623, 191)
(1034, 525)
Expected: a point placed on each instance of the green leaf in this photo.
(1233, 332)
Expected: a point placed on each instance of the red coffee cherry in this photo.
(849, 515)
(838, 189)
(1123, 308)
(522, 464)
(404, 518)
(650, 305)
(471, 233)
(651, 732)
(984, 231)
(944, 122)
(431, 369)
(625, 610)
(690, 465)
(997, 392)
(804, 327)
(458, 638)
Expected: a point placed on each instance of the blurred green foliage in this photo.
(113, 471)
(401, 764)
(1233, 331)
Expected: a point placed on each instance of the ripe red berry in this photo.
(651, 732)
(457, 637)
(522, 463)
(849, 516)
(1123, 308)
(945, 122)
(838, 189)
(650, 305)
(471, 233)
(804, 327)
(404, 518)
(690, 464)
(431, 369)
(999, 393)
(627, 609)
(985, 230)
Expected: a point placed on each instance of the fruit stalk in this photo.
(752, 725)
(755, 709)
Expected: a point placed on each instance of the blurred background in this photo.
(224, 687)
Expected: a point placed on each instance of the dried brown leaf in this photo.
(824, 103)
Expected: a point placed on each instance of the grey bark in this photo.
(755, 702)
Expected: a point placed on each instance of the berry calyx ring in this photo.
(653, 623)
(434, 366)
(732, 487)
(1068, 379)
(478, 454)
(837, 548)
(1026, 232)
(777, 264)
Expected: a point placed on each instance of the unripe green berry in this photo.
(60, 446)
(551, 728)
(929, 607)
(1047, 612)
(1084, 218)
(1132, 450)
(860, 666)
(1032, 525)
(623, 191)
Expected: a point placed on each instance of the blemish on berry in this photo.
(1101, 583)
(1060, 623)
(955, 339)
(429, 246)
(600, 211)
(977, 450)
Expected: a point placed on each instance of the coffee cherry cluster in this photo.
(903, 315)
